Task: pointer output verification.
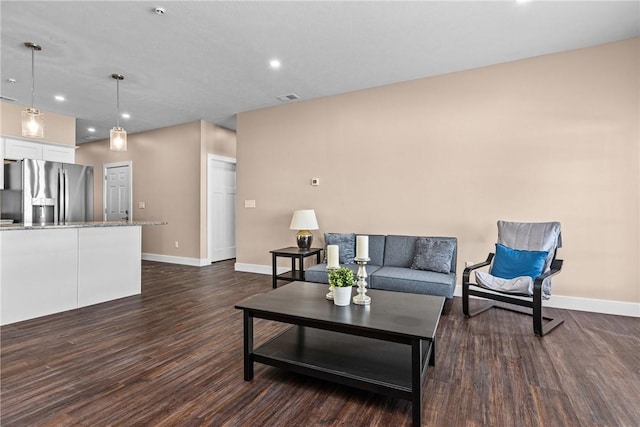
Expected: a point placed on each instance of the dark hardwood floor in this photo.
(173, 357)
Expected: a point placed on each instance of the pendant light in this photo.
(118, 136)
(32, 118)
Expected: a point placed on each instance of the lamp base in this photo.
(304, 239)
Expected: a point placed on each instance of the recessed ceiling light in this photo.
(126, 116)
(288, 97)
(91, 129)
(12, 80)
(275, 64)
(59, 98)
(160, 10)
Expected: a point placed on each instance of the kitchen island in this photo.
(52, 268)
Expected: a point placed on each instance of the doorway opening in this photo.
(221, 208)
(117, 192)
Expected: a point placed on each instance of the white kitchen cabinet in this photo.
(38, 273)
(109, 264)
(16, 149)
(58, 153)
(49, 270)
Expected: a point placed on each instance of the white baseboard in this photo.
(619, 308)
(258, 268)
(195, 262)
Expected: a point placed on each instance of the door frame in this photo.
(209, 201)
(106, 166)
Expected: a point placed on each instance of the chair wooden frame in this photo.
(541, 324)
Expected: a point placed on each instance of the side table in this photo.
(294, 253)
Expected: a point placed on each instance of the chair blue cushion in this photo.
(346, 246)
(510, 263)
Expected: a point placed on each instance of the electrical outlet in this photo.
(141, 205)
(177, 245)
(249, 203)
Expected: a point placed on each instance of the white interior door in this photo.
(117, 191)
(221, 177)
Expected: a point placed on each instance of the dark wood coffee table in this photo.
(383, 347)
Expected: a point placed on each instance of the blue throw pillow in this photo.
(511, 263)
(346, 246)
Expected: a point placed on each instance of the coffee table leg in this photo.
(248, 346)
(416, 382)
(432, 357)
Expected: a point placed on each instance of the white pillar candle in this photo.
(332, 256)
(362, 246)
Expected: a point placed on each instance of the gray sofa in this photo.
(390, 268)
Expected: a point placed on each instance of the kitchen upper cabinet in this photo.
(57, 153)
(16, 149)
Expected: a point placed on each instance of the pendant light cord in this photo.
(118, 102)
(33, 77)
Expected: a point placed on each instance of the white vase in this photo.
(342, 296)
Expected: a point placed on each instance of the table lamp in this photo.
(303, 221)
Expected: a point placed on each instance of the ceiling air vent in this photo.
(6, 98)
(90, 138)
(288, 97)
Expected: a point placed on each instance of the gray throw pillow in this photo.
(346, 246)
(433, 254)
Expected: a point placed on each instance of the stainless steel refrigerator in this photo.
(42, 192)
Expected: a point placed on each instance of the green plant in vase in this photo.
(341, 277)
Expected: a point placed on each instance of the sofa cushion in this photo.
(376, 249)
(318, 273)
(433, 254)
(346, 246)
(413, 281)
(399, 250)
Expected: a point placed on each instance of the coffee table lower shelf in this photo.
(366, 363)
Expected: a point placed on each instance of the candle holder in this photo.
(361, 298)
(329, 295)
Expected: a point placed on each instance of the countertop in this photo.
(20, 226)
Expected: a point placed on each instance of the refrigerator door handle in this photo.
(60, 198)
(66, 196)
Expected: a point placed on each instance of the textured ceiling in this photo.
(210, 60)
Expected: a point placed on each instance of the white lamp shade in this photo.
(304, 220)
(118, 140)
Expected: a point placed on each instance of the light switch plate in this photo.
(249, 203)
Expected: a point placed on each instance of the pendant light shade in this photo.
(32, 123)
(117, 136)
(118, 139)
(32, 118)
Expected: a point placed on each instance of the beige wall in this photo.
(168, 176)
(57, 128)
(549, 138)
